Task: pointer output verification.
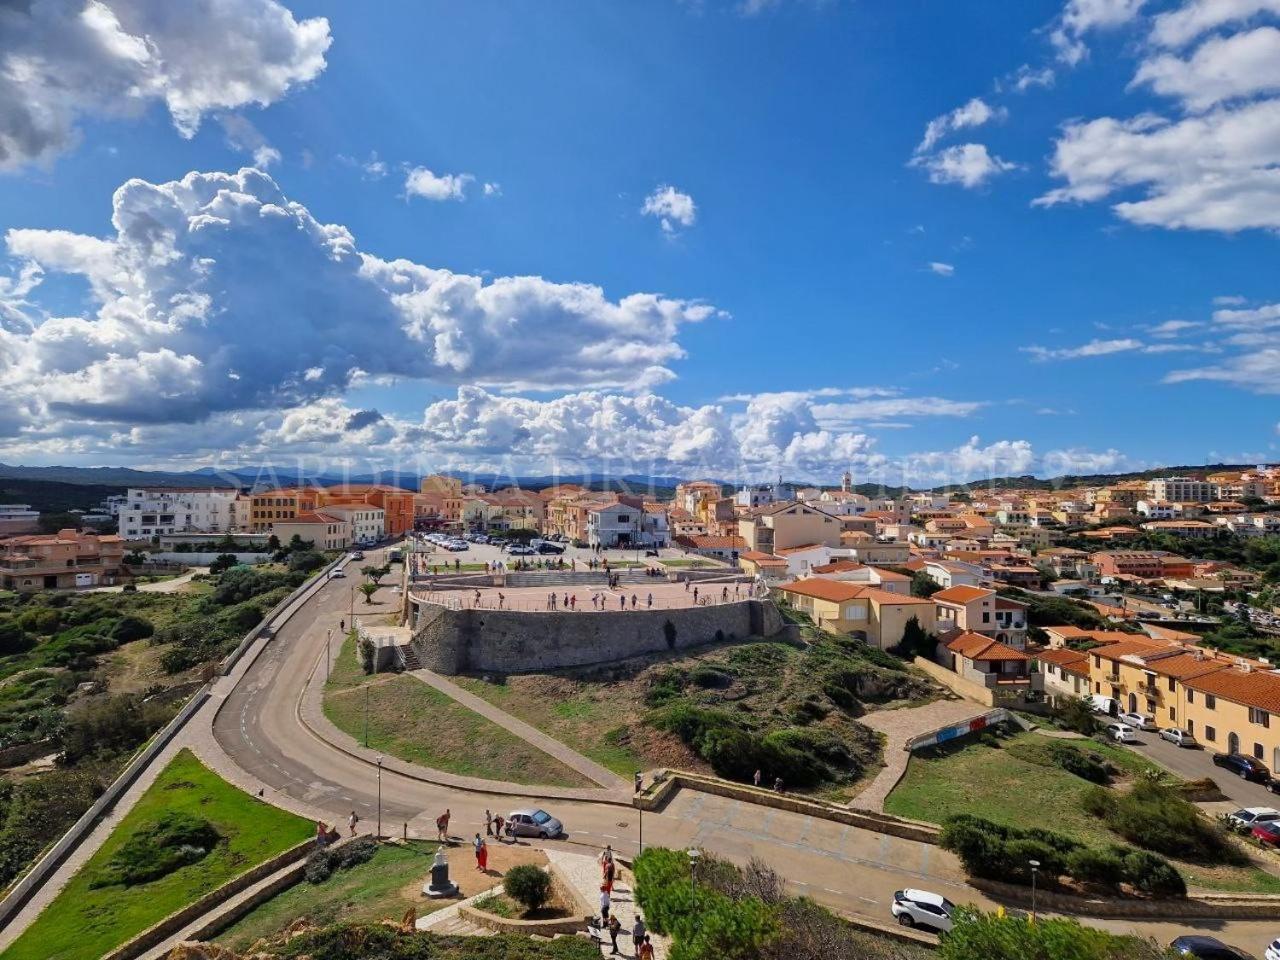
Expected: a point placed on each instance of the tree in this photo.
(923, 585)
(1075, 714)
(528, 885)
(223, 561)
(368, 589)
(916, 641)
(375, 574)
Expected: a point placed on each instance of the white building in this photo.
(764, 494)
(364, 520)
(1156, 509)
(626, 525)
(150, 512)
(1180, 490)
(18, 518)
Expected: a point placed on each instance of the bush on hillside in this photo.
(1155, 816)
(990, 936)
(528, 885)
(173, 841)
(129, 628)
(1074, 714)
(323, 862)
(111, 725)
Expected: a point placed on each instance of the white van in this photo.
(1106, 705)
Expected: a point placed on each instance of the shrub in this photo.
(305, 561)
(128, 629)
(989, 936)
(115, 724)
(223, 562)
(1088, 766)
(1074, 714)
(13, 639)
(324, 861)
(1153, 874)
(171, 842)
(1157, 817)
(528, 885)
(1100, 865)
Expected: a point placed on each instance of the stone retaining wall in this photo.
(1205, 906)
(656, 796)
(579, 910)
(511, 641)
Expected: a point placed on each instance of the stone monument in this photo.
(440, 885)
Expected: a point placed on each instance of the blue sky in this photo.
(836, 293)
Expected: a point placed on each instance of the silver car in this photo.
(1178, 737)
(533, 822)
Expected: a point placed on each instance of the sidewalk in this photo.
(899, 726)
(531, 735)
(584, 874)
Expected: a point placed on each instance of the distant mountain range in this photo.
(634, 483)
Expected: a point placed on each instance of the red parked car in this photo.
(1267, 834)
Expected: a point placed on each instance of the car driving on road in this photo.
(920, 908)
(1206, 948)
(1246, 768)
(533, 822)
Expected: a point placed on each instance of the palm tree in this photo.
(368, 589)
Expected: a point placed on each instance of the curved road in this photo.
(260, 741)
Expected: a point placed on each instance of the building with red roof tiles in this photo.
(871, 613)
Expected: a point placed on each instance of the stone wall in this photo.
(509, 641)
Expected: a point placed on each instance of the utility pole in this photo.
(328, 651)
(366, 715)
(379, 798)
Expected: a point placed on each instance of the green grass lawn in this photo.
(83, 923)
(415, 722)
(1002, 785)
(366, 893)
(585, 721)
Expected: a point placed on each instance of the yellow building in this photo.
(793, 524)
(869, 613)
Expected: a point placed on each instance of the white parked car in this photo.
(1100, 704)
(1139, 721)
(920, 908)
(1246, 819)
(1178, 737)
(1273, 950)
(1121, 733)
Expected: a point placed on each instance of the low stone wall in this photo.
(1204, 906)
(579, 910)
(510, 641)
(657, 794)
(155, 935)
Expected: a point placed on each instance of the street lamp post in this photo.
(379, 798)
(694, 854)
(1035, 867)
(328, 653)
(366, 715)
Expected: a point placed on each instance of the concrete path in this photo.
(584, 874)
(531, 735)
(176, 585)
(899, 726)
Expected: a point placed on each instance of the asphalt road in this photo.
(1192, 764)
(852, 870)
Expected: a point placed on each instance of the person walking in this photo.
(482, 854)
(442, 825)
(649, 601)
(488, 824)
(777, 785)
(352, 821)
(609, 870)
(615, 927)
(755, 779)
(638, 934)
(604, 904)
(501, 599)
(497, 826)
(646, 949)
(322, 834)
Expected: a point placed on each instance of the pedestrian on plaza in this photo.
(606, 857)
(497, 826)
(604, 904)
(457, 565)
(477, 598)
(695, 595)
(724, 595)
(615, 927)
(488, 824)
(322, 834)
(352, 821)
(442, 825)
(686, 585)
(622, 602)
(342, 626)
(501, 598)
(610, 870)
(482, 854)
(777, 785)
(573, 602)
(755, 779)
(633, 601)
(649, 601)
(646, 949)
(638, 933)
(639, 781)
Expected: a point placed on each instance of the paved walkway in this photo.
(176, 585)
(584, 874)
(531, 735)
(899, 726)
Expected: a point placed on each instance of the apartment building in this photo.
(628, 523)
(396, 503)
(323, 530)
(1066, 673)
(1236, 709)
(764, 494)
(871, 614)
(16, 518)
(156, 511)
(365, 522)
(1188, 529)
(990, 664)
(269, 507)
(1180, 490)
(781, 525)
(980, 610)
(1143, 564)
(66, 560)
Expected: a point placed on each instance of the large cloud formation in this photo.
(64, 59)
(218, 293)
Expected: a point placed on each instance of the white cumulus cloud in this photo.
(972, 114)
(673, 208)
(421, 182)
(63, 60)
(967, 164)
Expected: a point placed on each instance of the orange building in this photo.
(272, 506)
(396, 503)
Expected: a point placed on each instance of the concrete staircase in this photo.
(409, 656)
(456, 925)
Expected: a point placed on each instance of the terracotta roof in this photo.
(974, 646)
(889, 597)
(762, 559)
(316, 517)
(1072, 661)
(1164, 633)
(836, 591)
(800, 548)
(704, 541)
(962, 594)
(890, 576)
(1134, 647)
(1254, 688)
(838, 566)
(1182, 665)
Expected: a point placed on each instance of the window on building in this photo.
(1191, 696)
(1260, 717)
(1173, 684)
(1210, 734)
(1258, 752)
(1210, 701)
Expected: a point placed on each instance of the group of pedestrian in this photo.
(612, 925)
